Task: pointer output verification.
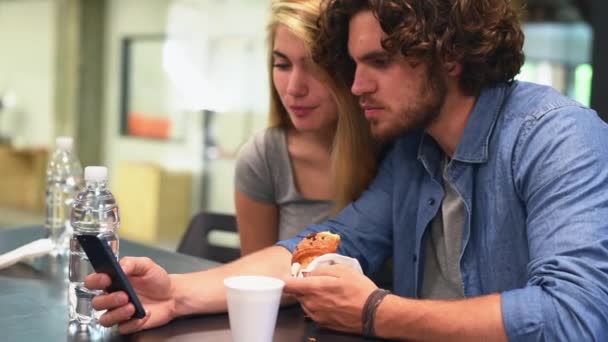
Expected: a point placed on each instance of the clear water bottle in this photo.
(63, 182)
(94, 212)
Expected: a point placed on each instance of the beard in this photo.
(423, 110)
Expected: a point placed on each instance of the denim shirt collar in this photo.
(473, 146)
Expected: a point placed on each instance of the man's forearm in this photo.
(203, 292)
(475, 319)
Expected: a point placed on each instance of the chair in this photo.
(196, 240)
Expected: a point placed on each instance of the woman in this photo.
(317, 154)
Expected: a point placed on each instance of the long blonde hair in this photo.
(354, 152)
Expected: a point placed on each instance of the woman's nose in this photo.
(297, 85)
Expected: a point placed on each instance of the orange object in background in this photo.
(142, 125)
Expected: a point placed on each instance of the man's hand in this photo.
(153, 287)
(333, 296)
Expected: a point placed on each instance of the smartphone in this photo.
(104, 261)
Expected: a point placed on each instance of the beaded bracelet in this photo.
(369, 310)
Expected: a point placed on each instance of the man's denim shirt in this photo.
(532, 169)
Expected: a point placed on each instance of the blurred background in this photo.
(164, 92)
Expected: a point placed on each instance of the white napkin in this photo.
(326, 259)
(30, 250)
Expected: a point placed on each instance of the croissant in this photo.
(314, 245)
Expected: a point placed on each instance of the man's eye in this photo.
(380, 62)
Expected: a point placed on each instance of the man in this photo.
(493, 201)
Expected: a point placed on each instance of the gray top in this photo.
(442, 278)
(264, 174)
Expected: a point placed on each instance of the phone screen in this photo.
(104, 261)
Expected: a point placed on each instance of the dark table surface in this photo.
(33, 301)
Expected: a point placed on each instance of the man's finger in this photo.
(307, 313)
(297, 287)
(97, 281)
(134, 324)
(306, 286)
(110, 301)
(133, 266)
(118, 315)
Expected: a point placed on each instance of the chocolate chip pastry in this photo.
(315, 245)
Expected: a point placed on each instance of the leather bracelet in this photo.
(369, 310)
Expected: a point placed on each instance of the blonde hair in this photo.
(353, 154)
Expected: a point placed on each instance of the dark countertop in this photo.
(33, 301)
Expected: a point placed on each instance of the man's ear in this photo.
(452, 69)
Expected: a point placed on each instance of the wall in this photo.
(27, 62)
(222, 83)
(599, 100)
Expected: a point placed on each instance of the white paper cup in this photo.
(253, 304)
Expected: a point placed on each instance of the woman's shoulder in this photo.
(264, 144)
(274, 136)
(260, 165)
(267, 137)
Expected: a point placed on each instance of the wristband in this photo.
(369, 310)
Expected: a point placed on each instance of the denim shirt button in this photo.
(415, 258)
(431, 201)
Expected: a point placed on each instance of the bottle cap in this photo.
(64, 143)
(96, 173)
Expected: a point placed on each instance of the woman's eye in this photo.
(281, 66)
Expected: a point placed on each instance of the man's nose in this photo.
(362, 83)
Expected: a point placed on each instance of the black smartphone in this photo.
(104, 261)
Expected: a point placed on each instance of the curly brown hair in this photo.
(484, 36)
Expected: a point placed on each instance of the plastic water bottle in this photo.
(63, 182)
(94, 212)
